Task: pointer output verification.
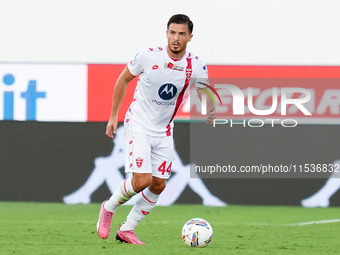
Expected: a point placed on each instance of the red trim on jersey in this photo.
(127, 67)
(174, 59)
(181, 95)
(147, 199)
(168, 132)
(126, 190)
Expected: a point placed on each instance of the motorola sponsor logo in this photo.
(166, 92)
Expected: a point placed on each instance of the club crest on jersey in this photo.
(173, 67)
(188, 72)
(139, 161)
(167, 91)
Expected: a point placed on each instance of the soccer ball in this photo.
(197, 233)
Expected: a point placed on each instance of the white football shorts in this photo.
(148, 154)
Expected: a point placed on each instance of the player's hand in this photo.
(111, 127)
(211, 115)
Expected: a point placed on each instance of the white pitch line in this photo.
(222, 223)
(264, 224)
(286, 225)
(247, 223)
(313, 222)
(162, 222)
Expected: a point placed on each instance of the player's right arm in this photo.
(118, 95)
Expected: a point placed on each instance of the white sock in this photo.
(145, 203)
(122, 194)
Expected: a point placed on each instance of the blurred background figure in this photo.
(332, 185)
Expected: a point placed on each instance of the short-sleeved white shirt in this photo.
(161, 88)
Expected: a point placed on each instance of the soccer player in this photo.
(165, 75)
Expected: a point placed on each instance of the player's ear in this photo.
(191, 35)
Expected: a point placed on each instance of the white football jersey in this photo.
(162, 85)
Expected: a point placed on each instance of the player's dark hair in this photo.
(181, 19)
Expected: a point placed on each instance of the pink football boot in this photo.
(127, 237)
(104, 222)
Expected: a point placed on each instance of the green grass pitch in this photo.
(53, 228)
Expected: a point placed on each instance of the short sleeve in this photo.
(201, 76)
(136, 66)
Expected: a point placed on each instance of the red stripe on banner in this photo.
(102, 79)
(101, 82)
(147, 199)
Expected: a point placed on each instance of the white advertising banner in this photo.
(43, 92)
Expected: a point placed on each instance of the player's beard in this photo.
(176, 51)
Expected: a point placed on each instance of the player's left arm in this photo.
(201, 78)
(211, 109)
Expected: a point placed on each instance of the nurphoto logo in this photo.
(239, 98)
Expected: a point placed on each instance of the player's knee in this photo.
(157, 186)
(140, 182)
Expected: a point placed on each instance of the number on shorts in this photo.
(162, 167)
